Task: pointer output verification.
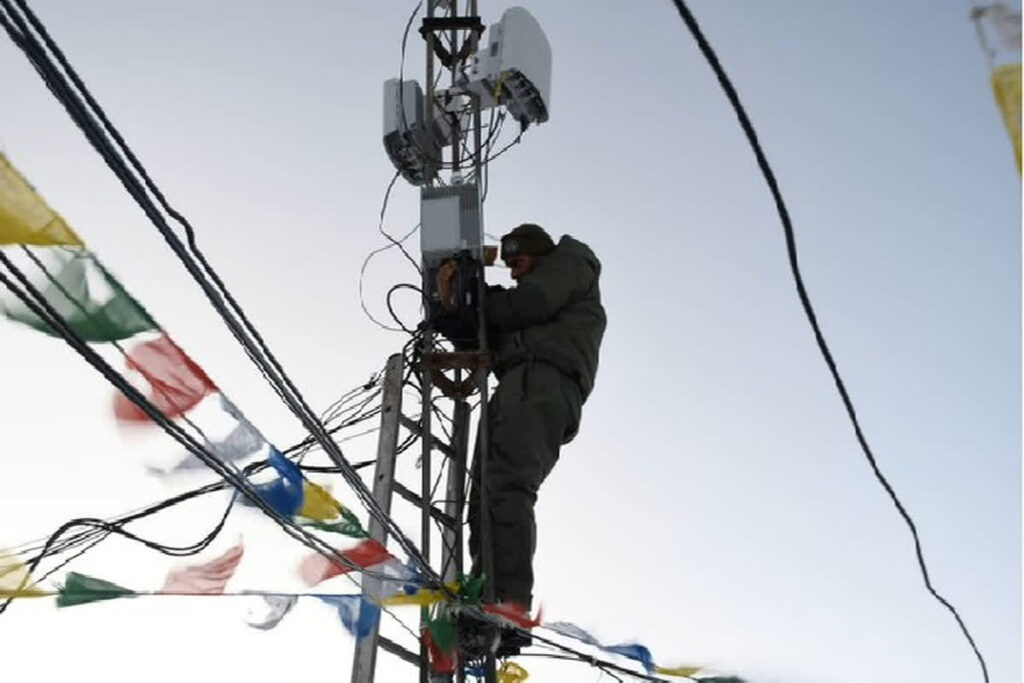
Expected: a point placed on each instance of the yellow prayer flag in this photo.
(15, 581)
(1006, 84)
(25, 217)
(424, 597)
(510, 672)
(318, 503)
(677, 670)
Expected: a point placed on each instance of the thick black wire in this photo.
(805, 302)
(261, 356)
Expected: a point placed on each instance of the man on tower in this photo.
(545, 335)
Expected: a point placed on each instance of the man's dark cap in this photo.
(528, 238)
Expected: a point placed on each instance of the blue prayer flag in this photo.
(285, 493)
(359, 615)
(634, 651)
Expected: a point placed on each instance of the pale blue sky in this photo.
(715, 506)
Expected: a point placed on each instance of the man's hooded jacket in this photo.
(553, 315)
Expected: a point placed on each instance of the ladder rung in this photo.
(416, 500)
(397, 650)
(414, 427)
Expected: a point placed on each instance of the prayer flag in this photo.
(634, 651)
(284, 494)
(510, 672)
(89, 299)
(564, 628)
(318, 504)
(25, 217)
(359, 615)
(176, 382)
(1006, 84)
(515, 613)
(470, 589)
(685, 671)
(16, 580)
(79, 589)
(348, 525)
(317, 568)
(204, 579)
(442, 630)
(425, 597)
(269, 611)
(399, 580)
(440, 661)
(242, 441)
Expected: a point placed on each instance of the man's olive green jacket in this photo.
(553, 315)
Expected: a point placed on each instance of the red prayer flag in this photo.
(204, 579)
(440, 661)
(316, 568)
(515, 613)
(176, 382)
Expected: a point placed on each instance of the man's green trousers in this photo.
(535, 409)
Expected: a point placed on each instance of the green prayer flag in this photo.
(471, 590)
(93, 303)
(348, 525)
(79, 589)
(442, 630)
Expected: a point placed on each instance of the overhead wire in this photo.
(805, 302)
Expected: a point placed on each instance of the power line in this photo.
(805, 302)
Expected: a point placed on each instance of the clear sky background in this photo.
(716, 506)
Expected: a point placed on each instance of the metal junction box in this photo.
(450, 222)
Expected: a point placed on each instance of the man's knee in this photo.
(512, 507)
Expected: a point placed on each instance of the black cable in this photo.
(805, 302)
(392, 243)
(380, 225)
(391, 310)
(504, 149)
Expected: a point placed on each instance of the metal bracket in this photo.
(476, 362)
(441, 24)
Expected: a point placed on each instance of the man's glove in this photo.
(445, 290)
